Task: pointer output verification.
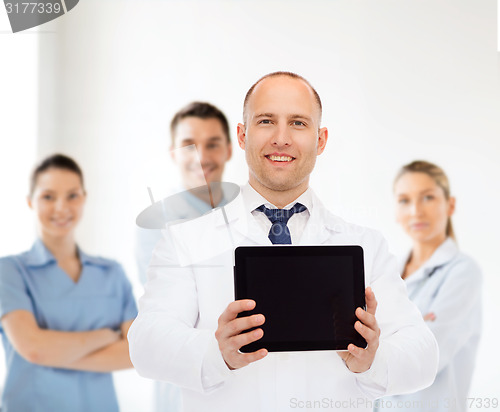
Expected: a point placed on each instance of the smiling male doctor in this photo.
(187, 331)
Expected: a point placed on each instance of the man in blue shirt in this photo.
(197, 128)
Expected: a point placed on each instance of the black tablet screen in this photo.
(308, 299)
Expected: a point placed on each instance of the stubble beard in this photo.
(277, 183)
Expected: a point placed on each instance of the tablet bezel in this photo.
(354, 251)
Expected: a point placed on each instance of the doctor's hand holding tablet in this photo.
(314, 301)
(360, 359)
(232, 335)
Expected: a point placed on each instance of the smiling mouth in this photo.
(61, 223)
(280, 158)
(419, 225)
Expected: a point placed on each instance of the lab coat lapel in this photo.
(208, 236)
(241, 224)
(441, 256)
(320, 226)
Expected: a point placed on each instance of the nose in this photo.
(282, 136)
(202, 153)
(61, 204)
(416, 208)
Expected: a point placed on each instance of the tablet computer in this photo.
(308, 295)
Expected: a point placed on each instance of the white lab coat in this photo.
(167, 397)
(449, 284)
(190, 283)
(186, 206)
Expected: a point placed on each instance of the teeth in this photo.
(280, 158)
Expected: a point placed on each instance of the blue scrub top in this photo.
(102, 298)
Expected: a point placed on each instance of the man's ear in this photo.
(241, 133)
(229, 151)
(29, 202)
(322, 139)
(172, 153)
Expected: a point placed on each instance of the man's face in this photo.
(281, 135)
(212, 150)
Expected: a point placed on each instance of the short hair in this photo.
(282, 73)
(202, 110)
(55, 161)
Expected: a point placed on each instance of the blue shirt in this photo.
(102, 298)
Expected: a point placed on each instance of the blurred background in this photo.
(399, 80)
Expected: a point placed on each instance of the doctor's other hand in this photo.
(230, 338)
(359, 359)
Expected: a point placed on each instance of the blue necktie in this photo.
(279, 233)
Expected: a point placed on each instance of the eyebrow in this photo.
(55, 191)
(210, 139)
(264, 115)
(421, 192)
(299, 116)
(291, 116)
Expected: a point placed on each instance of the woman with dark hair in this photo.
(64, 314)
(444, 283)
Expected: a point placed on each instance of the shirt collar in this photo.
(91, 260)
(253, 199)
(445, 252)
(39, 255)
(238, 213)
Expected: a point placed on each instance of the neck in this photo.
(212, 196)
(279, 198)
(61, 247)
(422, 251)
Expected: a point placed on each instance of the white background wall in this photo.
(18, 132)
(400, 80)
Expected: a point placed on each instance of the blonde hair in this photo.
(438, 175)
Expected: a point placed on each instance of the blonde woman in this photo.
(64, 314)
(444, 283)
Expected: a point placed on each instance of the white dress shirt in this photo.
(449, 285)
(190, 283)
